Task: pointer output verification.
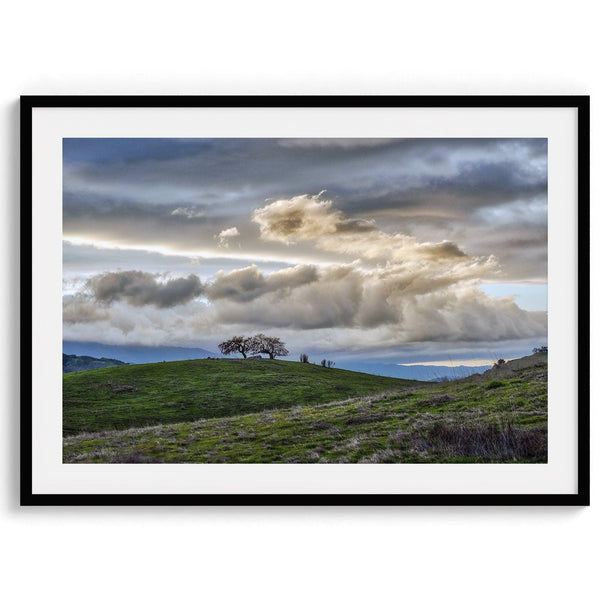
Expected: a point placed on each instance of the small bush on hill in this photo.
(495, 384)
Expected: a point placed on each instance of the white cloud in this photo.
(190, 213)
(226, 235)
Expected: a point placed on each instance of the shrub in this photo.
(487, 441)
(495, 384)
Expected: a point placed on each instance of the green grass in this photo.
(172, 392)
(465, 421)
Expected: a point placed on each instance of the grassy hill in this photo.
(473, 420)
(172, 392)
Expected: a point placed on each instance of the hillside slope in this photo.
(468, 421)
(512, 368)
(172, 392)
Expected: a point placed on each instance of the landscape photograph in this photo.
(305, 300)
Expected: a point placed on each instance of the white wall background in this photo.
(178, 47)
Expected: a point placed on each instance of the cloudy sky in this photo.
(395, 250)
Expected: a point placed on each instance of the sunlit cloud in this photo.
(226, 235)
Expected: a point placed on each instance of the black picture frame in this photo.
(582, 106)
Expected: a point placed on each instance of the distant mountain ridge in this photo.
(135, 354)
(418, 372)
(73, 363)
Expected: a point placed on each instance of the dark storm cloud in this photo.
(139, 289)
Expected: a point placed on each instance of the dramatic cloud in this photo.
(314, 218)
(344, 308)
(408, 291)
(392, 259)
(139, 288)
(178, 195)
(247, 284)
(409, 308)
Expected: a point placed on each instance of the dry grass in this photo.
(493, 441)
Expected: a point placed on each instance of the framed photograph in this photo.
(305, 300)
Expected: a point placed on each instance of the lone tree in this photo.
(304, 358)
(240, 344)
(272, 346)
